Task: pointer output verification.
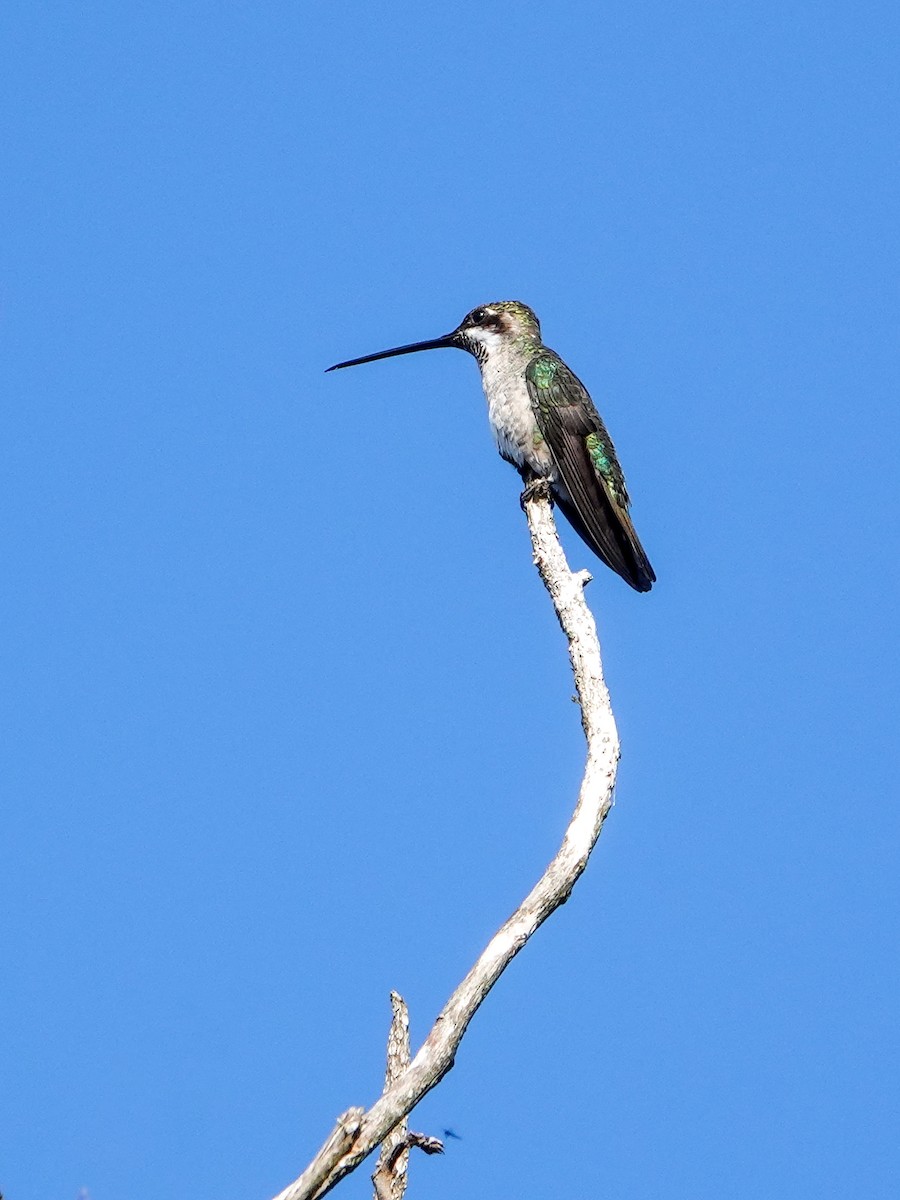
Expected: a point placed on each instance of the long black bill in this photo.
(441, 343)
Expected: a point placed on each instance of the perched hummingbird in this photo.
(546, 425)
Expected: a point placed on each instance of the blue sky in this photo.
(264, 761)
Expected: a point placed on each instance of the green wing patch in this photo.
(543, 371)
(598, 454)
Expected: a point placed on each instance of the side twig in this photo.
(355, 1136)
(390, 1176)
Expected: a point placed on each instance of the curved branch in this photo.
(350, 1142)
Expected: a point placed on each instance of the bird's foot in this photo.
(536, 489)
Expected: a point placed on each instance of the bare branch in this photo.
(431, 1145)
(390, 1176)
(383, 1179)
(337, 1158)
(336, 1145)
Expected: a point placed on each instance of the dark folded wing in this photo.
(588, 468)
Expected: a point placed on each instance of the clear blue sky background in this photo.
(264, 761)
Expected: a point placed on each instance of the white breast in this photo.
(512, 418)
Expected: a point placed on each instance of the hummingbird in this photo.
(545, 423)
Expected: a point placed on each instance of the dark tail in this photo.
(614, 541)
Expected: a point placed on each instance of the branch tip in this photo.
(431, 1145)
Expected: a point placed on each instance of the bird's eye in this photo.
(479, 316)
